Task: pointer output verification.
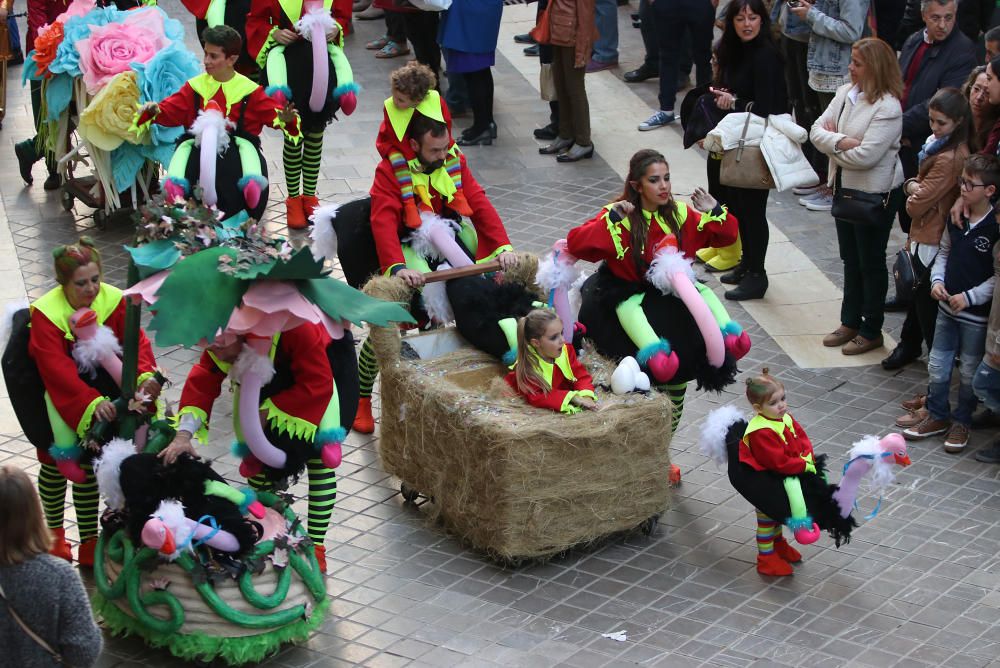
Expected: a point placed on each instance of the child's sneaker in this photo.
(957, 438)
(925, 429)
(783, 549)
(772, 564)
(912, 419)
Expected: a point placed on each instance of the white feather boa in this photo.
(87, 353)
(420, 239)
(212, 119)
(312, 19)
(713, 432)
(436, 301)
(324, 237)
(10, 308)
(666, 263)
(882, 474)
(252, 361)
(171, 512)
(553, 274)
(107, 469)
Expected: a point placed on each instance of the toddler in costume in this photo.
(774, 442)
(547, 373)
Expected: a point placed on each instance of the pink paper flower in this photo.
(112, 48)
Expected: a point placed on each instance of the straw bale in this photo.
(511, 480)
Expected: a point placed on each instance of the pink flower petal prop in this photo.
(111, 49)
(276, 296)
(77, 8)
(147, 288)
(334, 328)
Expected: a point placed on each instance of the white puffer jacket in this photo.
(779, 138)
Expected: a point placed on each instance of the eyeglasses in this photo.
(966, 184)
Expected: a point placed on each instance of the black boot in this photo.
(26, 157)
(735, 276)
(753, 286)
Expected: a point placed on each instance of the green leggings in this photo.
(322, 497)
(301, 163)
(52, 490)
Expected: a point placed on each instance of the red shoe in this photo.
(60, 547)
(86, 553)
(309, 204)
(296, 214)
(320, 551)
(784, 550)
(364, 423)
(772, 564)
(674, 477)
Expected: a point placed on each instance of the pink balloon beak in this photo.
(349, 102)
(256, 509)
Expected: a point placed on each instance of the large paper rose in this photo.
(75, 29)
(163, 76)
(46, 43)
(106, 121)
(111, 49)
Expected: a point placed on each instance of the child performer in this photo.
(244, 104)
(547, 373)
(280, 34)
(775, 442)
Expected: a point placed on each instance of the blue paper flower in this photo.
(163, 76)
(67, 60)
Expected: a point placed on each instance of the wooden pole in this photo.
(461, 272)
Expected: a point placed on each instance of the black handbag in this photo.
(908, 273)
(857, 206)
(699, 115)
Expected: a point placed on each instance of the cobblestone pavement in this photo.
(916, 587)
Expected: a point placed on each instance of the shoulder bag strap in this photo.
(743, 137)
(31, 634)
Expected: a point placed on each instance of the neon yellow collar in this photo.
(54, 306)
(399, 119)
(233, 90)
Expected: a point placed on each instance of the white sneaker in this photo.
(822, 203)
(806, 190)
(808, 198)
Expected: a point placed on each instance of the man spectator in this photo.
(974, 18)
(605, 54)
(936, 57)
(992, 42)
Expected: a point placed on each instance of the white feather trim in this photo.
(324, 237)
(10, 308)
(171, 512)
(107, 468)
(252, 361)
(713, 432)
(436, 301)
(314, 18)
(88, 353)
(666, 263)
(882, 473)
(210, 118)
(553, 273)
(575, 298)
(420, 239)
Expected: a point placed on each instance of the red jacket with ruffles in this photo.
(301, 350)
(764, 449)
(563, 389)
(387, 216)
(265, 15)
(600, 239)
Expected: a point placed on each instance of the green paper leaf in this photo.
(342, 302)
(196, 300)
(301, 266)
(154, 256)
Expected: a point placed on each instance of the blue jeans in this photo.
(953, 336)
(674, 19)
(606, 45)
(986, 385)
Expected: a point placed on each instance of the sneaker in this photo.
(807, 190)
(524, 38)
(918, 401)
(926, 428)
(912, 418)
(990, 455)
(822, 203)
(808, 198)
(598, 66)
(657, 120)
(957, 438)
(532, 51)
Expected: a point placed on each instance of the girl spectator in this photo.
(468, 35)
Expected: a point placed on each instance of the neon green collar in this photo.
(54, 306)
(293, 8)
(779, 427)
(233, 90)
(399, 119)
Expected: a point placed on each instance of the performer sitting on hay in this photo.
(63, 374)
(299, 43)
(441, 188)
(225, 113)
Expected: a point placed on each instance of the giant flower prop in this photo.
(111, 49)
(163, 76)
(106, 121)
(46, 44)
(75, 29)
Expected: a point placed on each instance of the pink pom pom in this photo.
(807, 536)
(348, 102)
(663, 366)
(71, 471)
(331, 455)
(250, 466)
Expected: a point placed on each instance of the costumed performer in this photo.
(296, 406)
(547, 372)
(284, 38)
(73, 400)
(232, 13)
(224, 103)
(669, 335)
(440, 186)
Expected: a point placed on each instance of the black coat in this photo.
(974, 17)
(945, 64)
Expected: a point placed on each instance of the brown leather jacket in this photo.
(571, 23)
(935, 195)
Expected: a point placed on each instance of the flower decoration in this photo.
(76, 28)
(46, 43)
(162, 76)
(106, 121)
(111, 49)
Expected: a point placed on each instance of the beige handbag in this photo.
(547, 83)
(744, 166)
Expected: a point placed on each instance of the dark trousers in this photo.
(574, 109)
(862, 249)
(651, 43)
(480, 87)
(921, 317)
(395, 29)
(750, 208)
(421, 29)
(804, 100)
(673, 19)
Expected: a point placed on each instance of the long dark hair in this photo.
(731, 47)
(637, 166)
(955, 106)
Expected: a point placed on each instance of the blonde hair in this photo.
(761, 388)
(526, 371)
(23, 533)
(882, 72)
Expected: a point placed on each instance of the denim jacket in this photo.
(836, 25)
(794, 27)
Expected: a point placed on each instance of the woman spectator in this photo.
(749, 73)
(571, 26)
(468, 35)
(37, 590)
(984, 114)
(861, 131)
(992, 145)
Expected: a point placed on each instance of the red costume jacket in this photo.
(387, 216)
(53, 353)
(564, 387)
(301, 351)
(600, 239)
(770, 445)
(387, 139)
(266, 15)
